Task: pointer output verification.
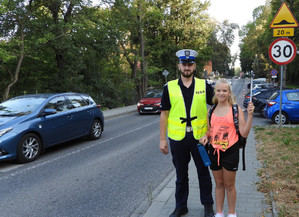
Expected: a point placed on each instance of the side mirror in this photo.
(49, 112)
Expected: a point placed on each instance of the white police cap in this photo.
(186, 55)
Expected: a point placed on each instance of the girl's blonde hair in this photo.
(231, 99)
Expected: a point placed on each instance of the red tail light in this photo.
(271, 103)
(99, 106)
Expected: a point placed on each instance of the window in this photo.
(274, 95)
(88, 99)
(58, 103)
(293, 96)
(77, 101)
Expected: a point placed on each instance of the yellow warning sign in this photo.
(284, 18)
(285, 32)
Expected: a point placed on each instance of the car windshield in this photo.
(273, 96)
(20, 106)
(258, 82)
(153, 94)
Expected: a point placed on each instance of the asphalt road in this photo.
(109, 177)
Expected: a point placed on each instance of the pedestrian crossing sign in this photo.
(284, 18)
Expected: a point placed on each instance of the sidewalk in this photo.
(250, 202)
(109, 113)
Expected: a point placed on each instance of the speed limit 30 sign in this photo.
(282, 51)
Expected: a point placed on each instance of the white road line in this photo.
(6, 169)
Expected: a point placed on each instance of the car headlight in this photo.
(4, 131)
(139, 104)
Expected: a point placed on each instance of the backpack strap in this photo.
(236, 122)
(236, 117)
(210, 112)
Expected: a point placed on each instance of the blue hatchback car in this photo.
(31, 123)
(290, 106)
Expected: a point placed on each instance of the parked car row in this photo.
(31, 123)
(267, 103)
(259, 99)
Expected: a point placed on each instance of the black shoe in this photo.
(179, 212)
(209, 212)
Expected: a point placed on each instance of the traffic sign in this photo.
(273, 72)
(282, 51)
(284, 18)
(284, 32)
(165, 73)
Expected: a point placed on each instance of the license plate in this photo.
(148, 108)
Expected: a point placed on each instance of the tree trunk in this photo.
(15, 77)
(144, 76)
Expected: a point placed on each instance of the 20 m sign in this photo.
(282, 51)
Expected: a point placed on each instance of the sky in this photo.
(235, 11)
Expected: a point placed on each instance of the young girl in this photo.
(224, 149)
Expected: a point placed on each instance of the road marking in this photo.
(21, 171)
(5, 167)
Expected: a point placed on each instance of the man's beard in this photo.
(186, 75)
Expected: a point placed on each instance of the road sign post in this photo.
(283, 50)
(165, 73)
(251, 85)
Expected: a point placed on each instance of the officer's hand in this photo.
(203, 140)
(163, 146)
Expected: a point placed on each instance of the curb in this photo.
(110, 113)
(147, 205)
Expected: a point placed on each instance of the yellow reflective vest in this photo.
(176, 127)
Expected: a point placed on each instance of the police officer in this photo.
(184, 117)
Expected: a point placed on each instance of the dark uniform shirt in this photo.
(188, 97)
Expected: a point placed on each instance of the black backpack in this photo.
(242, 141)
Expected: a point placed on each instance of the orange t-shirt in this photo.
(223, 132)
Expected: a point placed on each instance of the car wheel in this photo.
(262, 110)
(276, 119)
(96, 130)
(29, 148)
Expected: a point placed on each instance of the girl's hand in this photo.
(250, 108)
(203, 140)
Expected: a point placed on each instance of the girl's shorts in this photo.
(229, 159)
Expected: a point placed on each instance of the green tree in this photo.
(220, 41)
(14, 17)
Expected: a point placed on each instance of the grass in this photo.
(277, 151)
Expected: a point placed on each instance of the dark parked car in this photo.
(256, 82)
(269, 86)
(290, 106)
(247, 97)
(150, 103)
(31, 123)
(260, 99)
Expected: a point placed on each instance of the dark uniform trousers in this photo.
(181, 151)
